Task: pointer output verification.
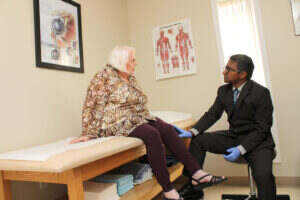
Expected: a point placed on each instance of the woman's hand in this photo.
(83, 138)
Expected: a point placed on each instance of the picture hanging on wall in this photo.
(58, 37)
(296, 15)
(174, 52)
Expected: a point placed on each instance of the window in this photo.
(239, 33)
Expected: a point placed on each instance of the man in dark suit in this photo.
(249, 109)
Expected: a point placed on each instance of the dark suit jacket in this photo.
(250, 119)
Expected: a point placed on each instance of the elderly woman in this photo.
(116, 106)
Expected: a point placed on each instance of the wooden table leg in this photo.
(5, 190)
(75, 184)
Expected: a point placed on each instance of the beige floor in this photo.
(214, 193)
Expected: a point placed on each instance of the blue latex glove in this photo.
(234, 154)
(183, 133)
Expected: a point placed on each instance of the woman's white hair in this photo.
(119, 57)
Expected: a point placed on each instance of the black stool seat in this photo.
(252, 194)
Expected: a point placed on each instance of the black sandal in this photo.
(213, 181)
(188, 192)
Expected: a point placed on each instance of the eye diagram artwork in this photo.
(63, 34)
(58, 35)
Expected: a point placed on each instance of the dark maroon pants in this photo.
(156, 133)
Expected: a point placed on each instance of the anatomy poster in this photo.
(174, 53)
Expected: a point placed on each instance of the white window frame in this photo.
(258, 21)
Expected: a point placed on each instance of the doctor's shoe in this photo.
(188, 192)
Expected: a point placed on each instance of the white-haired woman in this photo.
(116, 106)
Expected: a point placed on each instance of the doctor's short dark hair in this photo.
(244, 63)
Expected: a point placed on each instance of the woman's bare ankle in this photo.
(172, 194)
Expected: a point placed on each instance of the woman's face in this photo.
(131, 63)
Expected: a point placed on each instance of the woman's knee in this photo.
(163, 126)
(144, 132)
(150, 135)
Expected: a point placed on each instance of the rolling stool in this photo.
(252, 194)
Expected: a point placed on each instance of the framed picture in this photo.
(173, 50)
(58, 37)
(296, 15)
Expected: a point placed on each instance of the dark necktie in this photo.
(235, 95)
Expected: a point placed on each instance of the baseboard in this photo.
(288, 180)
(243, 180)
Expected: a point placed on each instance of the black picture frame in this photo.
(58, 35)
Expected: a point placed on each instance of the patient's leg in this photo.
(176, 145)
(155, 153)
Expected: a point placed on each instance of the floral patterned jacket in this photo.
(113, 107)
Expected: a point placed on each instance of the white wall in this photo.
(41, 105)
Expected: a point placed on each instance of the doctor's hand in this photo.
(83, 138)
(183, 133)
(234, 154)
